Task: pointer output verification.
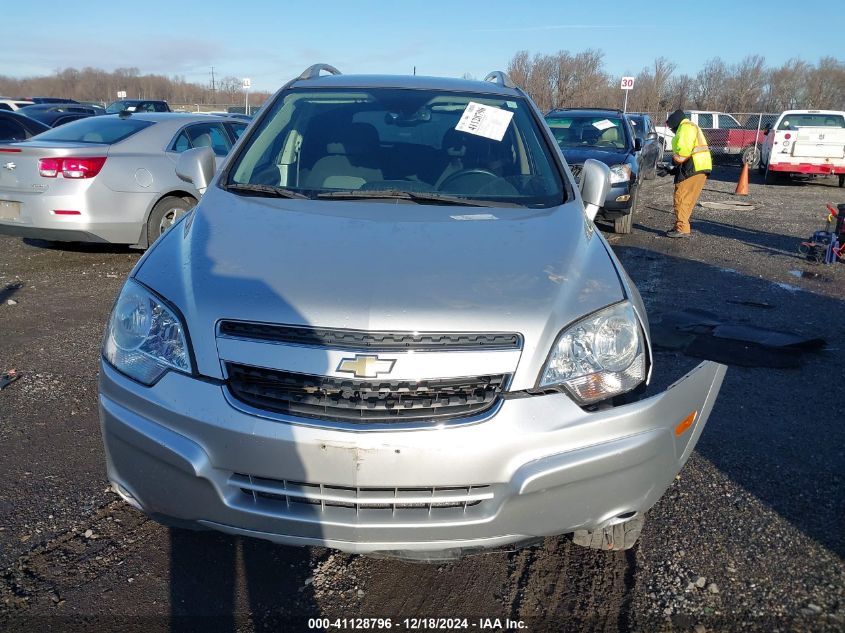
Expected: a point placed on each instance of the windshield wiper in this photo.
(267, 190)
(413, 196)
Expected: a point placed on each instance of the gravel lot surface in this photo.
(749, 537)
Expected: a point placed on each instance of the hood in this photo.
(380, 266)
(576, 156)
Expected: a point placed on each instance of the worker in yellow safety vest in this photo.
(691, 162)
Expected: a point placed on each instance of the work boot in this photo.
(676, 233)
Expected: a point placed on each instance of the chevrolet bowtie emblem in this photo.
(363, 366)
(10, 166)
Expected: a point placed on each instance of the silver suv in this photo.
(391, 327)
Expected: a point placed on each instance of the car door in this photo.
(212, 134)
(653, 147)
(236, 129)
(766, 147)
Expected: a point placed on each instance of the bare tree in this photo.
(826, 84)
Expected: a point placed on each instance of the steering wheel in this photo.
(475, 176)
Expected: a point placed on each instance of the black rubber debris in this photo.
(739, 354)
(768, 338)
(753, 304)
(702, 334)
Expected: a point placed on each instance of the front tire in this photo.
(623, 225)
(165, 214)
(614, 538)
(651, 172)
(751, 156)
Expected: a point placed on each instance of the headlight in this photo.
(598, 357)
(144, 338)
(620, 173)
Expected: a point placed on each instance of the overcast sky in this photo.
(272, 41)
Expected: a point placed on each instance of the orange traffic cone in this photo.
(742, 185)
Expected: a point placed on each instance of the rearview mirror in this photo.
(595, 184)
(196, 166)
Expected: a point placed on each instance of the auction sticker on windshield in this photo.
(483, 120)
(603, 124)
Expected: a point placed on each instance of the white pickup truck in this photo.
(805, 142)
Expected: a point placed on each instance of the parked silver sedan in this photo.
(107, 178)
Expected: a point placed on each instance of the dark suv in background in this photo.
(606, 136)
(137, 105)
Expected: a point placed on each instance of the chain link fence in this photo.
(732, 136)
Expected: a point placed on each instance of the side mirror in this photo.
(595, 185)
(638, 144)
(651, 136)
(196, 166)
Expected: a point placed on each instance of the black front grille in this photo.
(347, 400)
(376, 341)
(576, 171)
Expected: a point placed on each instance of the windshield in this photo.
(370, 140)
(792, 121)
(727, 122)
(578, 130)
(99, 129)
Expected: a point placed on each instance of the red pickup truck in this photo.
(726, 136)
(731, 138)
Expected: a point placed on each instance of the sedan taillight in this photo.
(70, 167)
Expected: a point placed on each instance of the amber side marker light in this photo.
(685, 423)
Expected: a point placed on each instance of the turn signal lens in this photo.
(685, 423)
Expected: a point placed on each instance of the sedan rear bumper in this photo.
(98, 215)
(538, 466)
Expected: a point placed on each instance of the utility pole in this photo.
(213, 88)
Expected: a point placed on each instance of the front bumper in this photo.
(179, 450)
(619, 201)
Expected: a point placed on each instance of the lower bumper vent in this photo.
(323, 496)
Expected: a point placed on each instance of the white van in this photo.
(805, 142)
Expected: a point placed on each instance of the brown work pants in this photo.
(686, 195)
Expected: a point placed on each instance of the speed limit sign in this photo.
(627, 83)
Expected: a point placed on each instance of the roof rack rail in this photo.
(500, 78)
(313, 72)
